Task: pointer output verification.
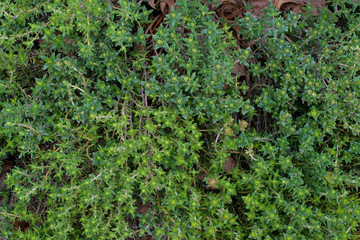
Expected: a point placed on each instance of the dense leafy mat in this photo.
(121, 121)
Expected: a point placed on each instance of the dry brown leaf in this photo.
(116, 6)
(259, 5)
(153, 3)
(294, 5)
(296, 8)
(318, 4)
(2, 179)
(230, 10)
(70, 41)
(279, 3)
(239, 69)
(143, 208)
(166, 5)
(24, 226)
(229, 164)
(201, 176)
(5, 168)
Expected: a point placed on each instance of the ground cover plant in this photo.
(179, 120)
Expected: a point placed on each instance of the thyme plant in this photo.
(122, 129)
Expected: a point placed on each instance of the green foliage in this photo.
(120, 133)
